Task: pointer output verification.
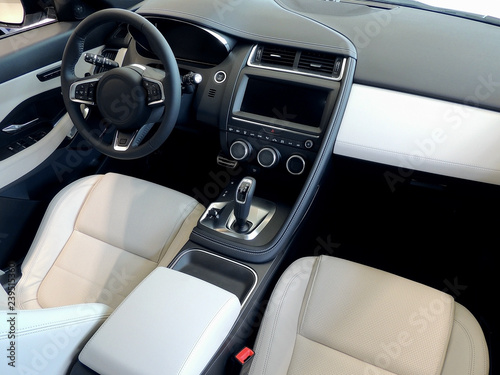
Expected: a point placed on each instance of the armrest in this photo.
(171, 323)
(47, 341)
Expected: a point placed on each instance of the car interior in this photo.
(248, 187)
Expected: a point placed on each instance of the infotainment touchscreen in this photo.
(285, 101)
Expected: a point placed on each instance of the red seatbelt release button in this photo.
(244, 355)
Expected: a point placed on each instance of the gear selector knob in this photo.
(242, 203)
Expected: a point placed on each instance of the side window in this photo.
(20, 15)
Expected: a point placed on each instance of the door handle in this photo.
(16, 127)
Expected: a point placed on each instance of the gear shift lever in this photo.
(242, 204)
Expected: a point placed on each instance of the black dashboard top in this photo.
(405, 49)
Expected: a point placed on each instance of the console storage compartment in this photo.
(232, 276)
(171, 322)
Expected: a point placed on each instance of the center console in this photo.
(277, 120)
(279, 113)
(171, 323)
(278, 128)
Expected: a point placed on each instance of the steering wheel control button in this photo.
(154, 91)
(296, 165)
(84, 92)
(220, 76)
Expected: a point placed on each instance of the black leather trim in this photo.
(33, 49)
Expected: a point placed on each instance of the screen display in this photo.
(284, 101)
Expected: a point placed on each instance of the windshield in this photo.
(486, 10)
(479, 7)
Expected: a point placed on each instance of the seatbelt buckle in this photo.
(242, 361)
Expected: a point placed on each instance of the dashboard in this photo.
(274, 90)
(272, 103)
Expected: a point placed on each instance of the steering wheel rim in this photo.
(171, 84)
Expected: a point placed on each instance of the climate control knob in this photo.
(296, 164)
(268, 157)
(240, 150)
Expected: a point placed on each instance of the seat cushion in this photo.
(100, 237)
(331, 316)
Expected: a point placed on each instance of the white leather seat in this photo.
(99, 238)
(331, 316)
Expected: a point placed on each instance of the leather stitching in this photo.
(276, 318)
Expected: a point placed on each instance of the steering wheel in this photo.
(124, 103)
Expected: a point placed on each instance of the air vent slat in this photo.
(310, 63)
(278, 56)
(317, 62)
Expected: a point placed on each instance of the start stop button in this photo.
(220, 76)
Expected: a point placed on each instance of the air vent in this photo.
(310, 63)
(211, 93)
(320, 63)
(278, 56)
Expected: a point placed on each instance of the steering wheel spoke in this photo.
(153, 83)
(83, 91)
(155, 91)
(123, 141)
(138, 105)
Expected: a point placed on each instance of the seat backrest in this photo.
(100, 237)
(327, 313)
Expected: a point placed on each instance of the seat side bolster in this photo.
(53, 233)
(467, 351)
(278, 331)
(172, 248)
(46, 341)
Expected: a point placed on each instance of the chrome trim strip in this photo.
(217, 36)
(256, 277)
(142, 67)
(253, 65)
(261, 213)
(16, 127)
(303, 165)
(117, 147)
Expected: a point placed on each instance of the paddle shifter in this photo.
(242, 204)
